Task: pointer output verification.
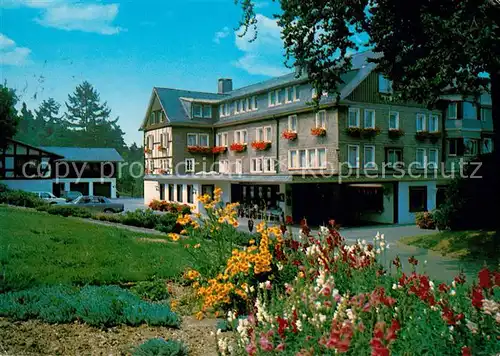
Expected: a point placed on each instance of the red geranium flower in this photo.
(466, 351)
(477, 297)
(484, 278)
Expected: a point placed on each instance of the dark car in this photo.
(98, 203)
(70, 196)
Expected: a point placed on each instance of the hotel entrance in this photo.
(258, 200)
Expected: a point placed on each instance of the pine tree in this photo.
(8, 115)
(27, 130)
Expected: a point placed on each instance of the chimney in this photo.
(225, 85)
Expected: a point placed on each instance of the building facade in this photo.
(359, 157)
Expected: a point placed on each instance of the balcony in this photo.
(465, 124)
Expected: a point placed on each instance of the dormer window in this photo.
(201, 111)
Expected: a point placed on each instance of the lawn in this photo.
(37, 248)
(459, 244)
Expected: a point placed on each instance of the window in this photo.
(321, 119)
(224, 166)
(272, 98)
(240, 136)
(207, 111)
(171, 191)
(369, 119)
(393, 120)
(256, 166)
(486, 114)
(244, 105)
(308, 158)
(221, 110)
(252, 103)
(314, 94)
(280, 96)
(393, 157)
(420, 122)
(452, 111)
(289, 94)
(487, 145)
(239, 166)
(369, 157)
(204, 140)
(190, 194)
(259, 134)
(197, 110)
(470, 147)
(192, 139)
(418, 199)
(269, 166)
(180, 193)
(268, 133)
(292, 123)
(189, 165)
(353, 120)
(433, 159)
(433, 123)
(384, 85)
(221, 139)
(420, 158)
(296, 93)
(455, 147)
(469, 110)
(353, 156)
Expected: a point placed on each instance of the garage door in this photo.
(79, 187)
(103, 189)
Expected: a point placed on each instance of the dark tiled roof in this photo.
(78, 154)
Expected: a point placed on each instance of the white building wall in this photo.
(404, 214)
(34, 185)
(162, 159)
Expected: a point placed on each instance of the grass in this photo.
(37, 248)
(460, 244)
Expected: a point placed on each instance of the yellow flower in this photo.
(173, 304)
(174, 237)
(196, 246)
(251, 242)
(199, 315)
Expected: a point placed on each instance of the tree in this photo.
(9, 118)
(91, 119)
(26, 130)
(427, 46)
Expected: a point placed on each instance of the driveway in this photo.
(131, 204)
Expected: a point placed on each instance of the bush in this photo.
(161, 347)
(114, 218)
(141, 218)
(162, 205)
(425, 220)
(167, 223)
(97, 306)
(68, 210)
(153, 291)
(20, 198)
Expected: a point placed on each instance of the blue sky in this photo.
(124, 48)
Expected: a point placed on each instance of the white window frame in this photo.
(291, 118)
(433, 118)
(223, 166)
(368, 111)
(397, 120)
(355, 111)
(292, 163)
(189, 162)
(288, 90)
(369, 164)
(357, 156)
(278, 102)
(268, 133)
(317, 121)
(257, 161)
(270, 102)
(450, 142)
(433, 164)
(240, 132)
(295, 164)
(424, 163)
(208, 139)
(203, 111)
(238, 166)
(195, 139)
(193, 111)
(420, 118)
(454, 104)
(476, 146)
(318, 162)
(296, 91)
(265, 161)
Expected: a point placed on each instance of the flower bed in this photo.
(162, 205)
(238, 147)
(261, 145)
(289, 135)
(318, 131)
(199, 149)
(219, 149)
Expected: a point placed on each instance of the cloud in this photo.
(221, 34)
(12, 55)
(73, 16)
(263, 52)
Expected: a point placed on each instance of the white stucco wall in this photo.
(404, 214)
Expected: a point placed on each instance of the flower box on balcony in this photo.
(353, 131)
(261, 145)
(147, 151)
(434, 136)
(396, 133)
(238, 147)
(199, 149)
(289, 135)
(318, 131)
(219, 149)
(161, 148)
(421, 135)
(370, 132)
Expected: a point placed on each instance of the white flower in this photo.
(425, 262)
(471, 326)
(350, 314)
(262, 285)
(219, 331)
(394, 286)
(363, 242)
(377, 237)
(382, 236)
(298, 323)
(453, 292)
(497, 317)
(490, 307)
(382, 244)
(280, 266)
(431, 284)
(378, 251)
(322, 318)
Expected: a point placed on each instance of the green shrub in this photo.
(21, 198)
(425, 220)
(114, 218)
(154, 291)
(167, 223)
(69, 210)
(44, 207)
(161, 347)
(95, 305)
(141, 218)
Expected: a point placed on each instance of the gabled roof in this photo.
(78, 154)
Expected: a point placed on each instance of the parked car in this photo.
(50, 198)
(98, 203)
(70, 196)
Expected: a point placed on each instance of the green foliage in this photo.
(167, 223)
(155, 290)
(39, 248)
(161, 347)
(425, 220)
(69, 210)
(114, 218)
(97, 306)
(8, 115)
(141, 218)
(21, 198)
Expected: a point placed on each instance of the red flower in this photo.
(288, 220)
(318, 131)
(466, 351)
(412, 260)
(477, 297)
(238, 147)
(397, 262)
(219, 149)
(261, 145)
(443, 288)
(484, 278)
(199, 149)
(460, 279)
(289, 135)
(496, 277)
(264, 342)
(282, 325)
